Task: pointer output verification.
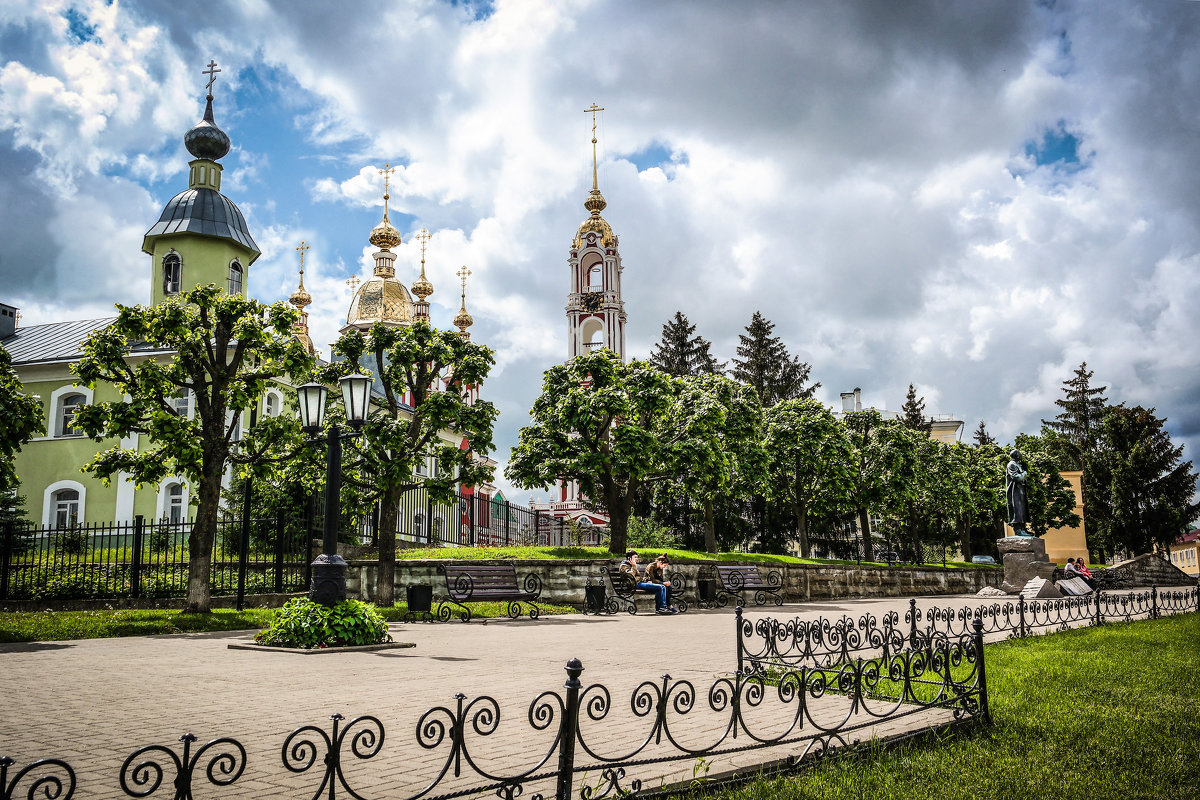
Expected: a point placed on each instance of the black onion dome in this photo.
(206, 140)
(203, 211)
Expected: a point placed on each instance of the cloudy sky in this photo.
(970, 196)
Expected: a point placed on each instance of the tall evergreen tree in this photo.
(764, 364)
(913, 411)
(1149, 487)
(681, 353)
(1083, 407)
(982, 437)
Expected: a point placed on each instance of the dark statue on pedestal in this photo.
(1016, 498)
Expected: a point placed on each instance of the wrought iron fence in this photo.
(769, 643)
(593, 752)
(474, 520)
(147, 559)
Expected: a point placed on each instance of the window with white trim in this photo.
(272, 405)
(174, 507)
(65, 508)
(67, 406)
(172, 273)
(235, 277)
(182, 403)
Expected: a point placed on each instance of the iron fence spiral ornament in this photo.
(146, 775)
(300, 753)
(821, 642)
(49, 786)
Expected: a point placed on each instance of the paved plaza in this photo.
(93, 702)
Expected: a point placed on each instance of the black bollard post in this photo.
(984, 709)
(1154, 601)
(1021, 633)
(570, 731)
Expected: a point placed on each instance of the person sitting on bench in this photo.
(656, 573)
(1078, 569)
(629, 568)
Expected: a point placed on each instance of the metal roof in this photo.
(53, 341)
(203, 211)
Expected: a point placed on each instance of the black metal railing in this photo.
(140, 559)
(594, 750)
(474, 520)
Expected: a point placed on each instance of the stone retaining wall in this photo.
(563, 581)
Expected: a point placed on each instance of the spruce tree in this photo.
(982, 437)
(764, 364)
(1083, 408)
(914, 412)
(681, 353)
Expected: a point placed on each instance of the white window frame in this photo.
(272, 396)
(170, 289)
(49, 504)
(236, 266)
(183, 400)
(163, 509)
(56, 409)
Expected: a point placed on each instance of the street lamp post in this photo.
(329, 569)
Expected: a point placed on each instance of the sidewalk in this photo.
(93, 702)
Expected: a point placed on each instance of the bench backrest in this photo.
(620, 583)
(480, 580)
(740, 577)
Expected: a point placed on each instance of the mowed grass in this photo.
(57, 626)
(1095, 713)
(600, 553)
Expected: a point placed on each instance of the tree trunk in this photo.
(964, 541)
(802, 530)
(710, 527)
(864, 526)
(618, 519)
(389, 513)
(200, 544)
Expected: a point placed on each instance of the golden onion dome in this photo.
(380, 299)
(422, 288)
(595, 202)
(384, 236)
(300, 298)
(463, 319)
(595, 224)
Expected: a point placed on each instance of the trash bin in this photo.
(420, 598)
(594, 592)
(708, 590)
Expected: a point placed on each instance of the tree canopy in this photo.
(764, 364)
(220, 352)
(681, 353)
(20, 422)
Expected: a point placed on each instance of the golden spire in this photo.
(301, 298)
(422, 288)
(595, 202)
(383, 235)
(463, 320)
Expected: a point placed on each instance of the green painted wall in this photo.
(205, 260)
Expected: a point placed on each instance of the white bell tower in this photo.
(595, 311)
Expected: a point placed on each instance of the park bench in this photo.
(475, 583)
(622, 596)
(737, 580)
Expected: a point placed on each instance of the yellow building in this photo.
(1185, 553)
(1070, 542)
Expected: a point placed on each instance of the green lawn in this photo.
(54, 626)
(1096, 714)
(545, 553)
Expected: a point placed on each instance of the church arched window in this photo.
(172, 273)
(67, 407)
(66, 508)
(235, 277)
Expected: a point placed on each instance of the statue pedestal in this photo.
(1024, 558)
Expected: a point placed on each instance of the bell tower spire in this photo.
(595, 311)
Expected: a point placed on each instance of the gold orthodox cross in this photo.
(592, 111)
(423, 237)
(302, 249)
(462, 276)
(353, 282)
(211, 72)
(386, 172)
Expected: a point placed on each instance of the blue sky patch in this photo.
(478, 9)
(1058, 148)
(656, 155)
(78, 27)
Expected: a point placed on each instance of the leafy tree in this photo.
(881, 467)
(913, 412)
(224, 350)
(603, 424)
(426, 377)
(13, 522)
(716, 446)
(984, 466)
(1150, 488)
(765, 365)
(682, 353)
(982, 437)
(809, 464)
(20, 422)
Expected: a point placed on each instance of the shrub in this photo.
(649, 534)
(303, 623)
(71, 541)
